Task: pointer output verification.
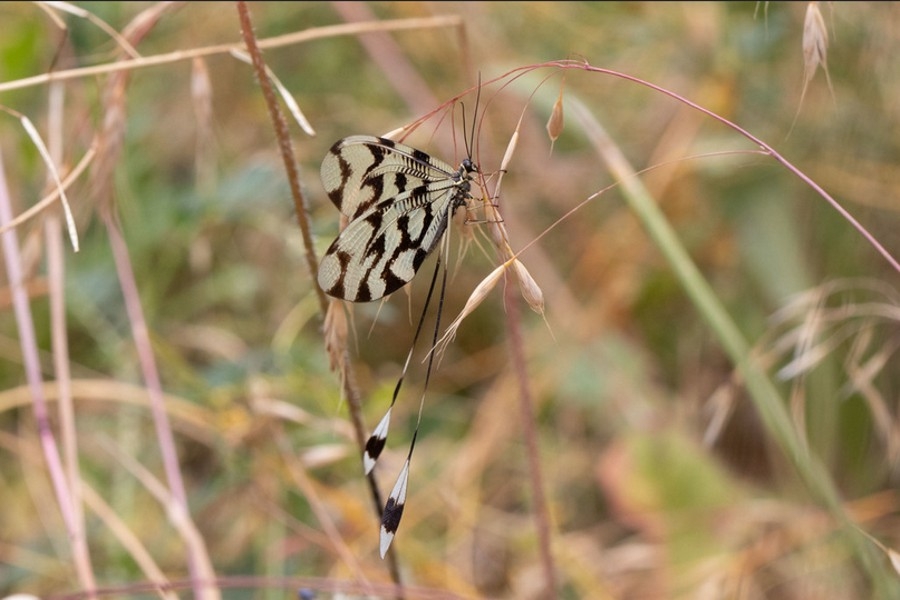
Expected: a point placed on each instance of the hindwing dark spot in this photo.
(374, 446)
(390, 518)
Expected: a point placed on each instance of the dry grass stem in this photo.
(53, 196)
(264, 44)
(82, 13)
(178, 516)
(60, 192)
(129, 540)
(286, 95)
(29, 353)
(204, 148)
(396, 68)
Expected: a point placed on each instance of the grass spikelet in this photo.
(555, 122)
(815, 47)
(475, 299)
(531, 291)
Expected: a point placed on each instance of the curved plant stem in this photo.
(743, 132)
(279, 124)
(28, 343)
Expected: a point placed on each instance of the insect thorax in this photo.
(464, 185)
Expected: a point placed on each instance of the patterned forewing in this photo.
(361, 170)
(399, 200)
(381, 250)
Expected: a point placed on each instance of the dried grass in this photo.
(200, 429)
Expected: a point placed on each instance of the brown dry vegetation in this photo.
(666, 471)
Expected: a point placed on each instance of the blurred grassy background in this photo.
(660, 478)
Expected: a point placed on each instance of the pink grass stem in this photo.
(164, 435)
(28, 343)
(530, 434)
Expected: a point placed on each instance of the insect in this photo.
(399, 201)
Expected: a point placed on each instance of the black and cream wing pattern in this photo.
(399, 201)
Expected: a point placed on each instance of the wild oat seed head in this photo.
(555, 122)
(531, 291)
(815, 42)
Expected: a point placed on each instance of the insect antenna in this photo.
(470, 141)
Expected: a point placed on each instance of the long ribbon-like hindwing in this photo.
(399, 201)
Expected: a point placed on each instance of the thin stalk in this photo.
(28, 343)
(56, 275)
(279, 124)
(895, 264)
(529, 432)
(289, 39)
(199, 564)
(283, 135)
